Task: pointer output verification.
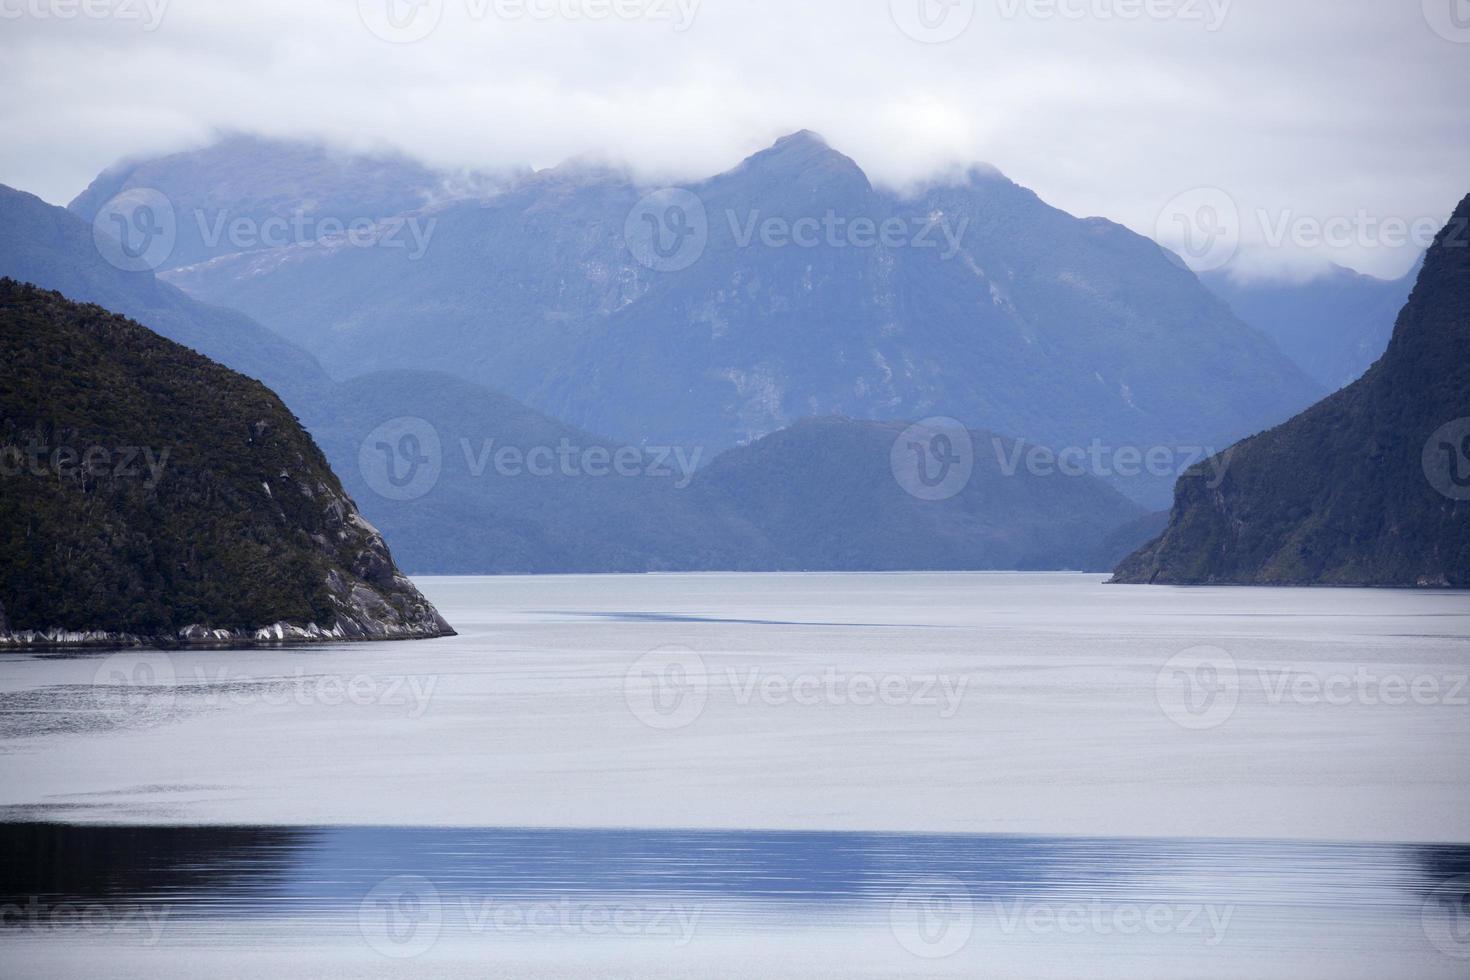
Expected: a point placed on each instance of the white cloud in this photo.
(1291, 106)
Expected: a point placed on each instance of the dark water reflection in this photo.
(244, 872)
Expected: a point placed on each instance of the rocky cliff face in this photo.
(1368, 487)
(150, 496)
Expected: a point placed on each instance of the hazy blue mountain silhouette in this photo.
(1333, 326)
(1040, 325)
(250, 179)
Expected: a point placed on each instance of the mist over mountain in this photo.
(1369, 487)
(798, 289)
(1333, 326)
(247, 193)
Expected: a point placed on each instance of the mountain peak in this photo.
(804, 159)
(802, 137)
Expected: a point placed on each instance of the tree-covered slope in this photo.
(146, 490)
(1369, 487)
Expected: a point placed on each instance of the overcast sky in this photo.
(1335, 116)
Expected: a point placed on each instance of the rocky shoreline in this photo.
(201, 637)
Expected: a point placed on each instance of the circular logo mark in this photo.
(1450, 19)
(401, 459)
(1445, 917)
(1203, 226)
(136, 230)
(934, 918)
(932, 21)
(1446, 459)
(1199, 688)
(933, 459)
(400, 21)
(667, 688)
(134, 688)
(401, 916)
(667, 230)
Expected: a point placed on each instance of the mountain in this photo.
(1369, 487)
(829, 495)
(502, 489)
(531, 525)
(821, 495)
(245, 193)
(450, 503)
(151, 495)
(1333, 326)
(786, 288)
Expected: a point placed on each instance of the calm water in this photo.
(758, 775)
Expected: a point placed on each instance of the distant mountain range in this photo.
(711, 315)
(1333, 326)
(566, 371)
(149, 495)
(1369, 487)
(450, 502)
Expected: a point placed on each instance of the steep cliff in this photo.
(1368, 487)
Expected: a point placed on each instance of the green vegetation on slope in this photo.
(144, 489)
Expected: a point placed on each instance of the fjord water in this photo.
(683, 775)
